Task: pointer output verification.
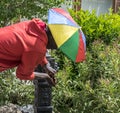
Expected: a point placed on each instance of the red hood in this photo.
(36, 28)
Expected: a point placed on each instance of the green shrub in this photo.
(12, 90)
(95, 86)
(105, 27)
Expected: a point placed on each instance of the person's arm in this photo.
(25, 70)
(48, 69)
(44, 76)
(44, 61)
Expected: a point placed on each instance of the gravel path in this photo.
(11, 108)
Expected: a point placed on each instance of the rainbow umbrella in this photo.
(67, 34)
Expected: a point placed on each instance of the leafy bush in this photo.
(95, 87)
(105, 27)
(12, 11)
(12, 90)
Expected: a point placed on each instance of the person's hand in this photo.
(50, 71)
(45, 76)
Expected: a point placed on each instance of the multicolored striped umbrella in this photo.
(67, 34)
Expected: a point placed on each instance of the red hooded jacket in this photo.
(23, 45)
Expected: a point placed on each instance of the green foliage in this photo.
(95, 86)
(12, 10)
(118, 12)
(12, 90)
(105, 27)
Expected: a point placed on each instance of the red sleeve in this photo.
(44, 61)
(28, 63)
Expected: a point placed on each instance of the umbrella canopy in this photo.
(67, 34)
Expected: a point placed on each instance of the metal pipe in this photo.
(43, 90)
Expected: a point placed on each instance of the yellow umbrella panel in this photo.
(62, 33)
(66, 38)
